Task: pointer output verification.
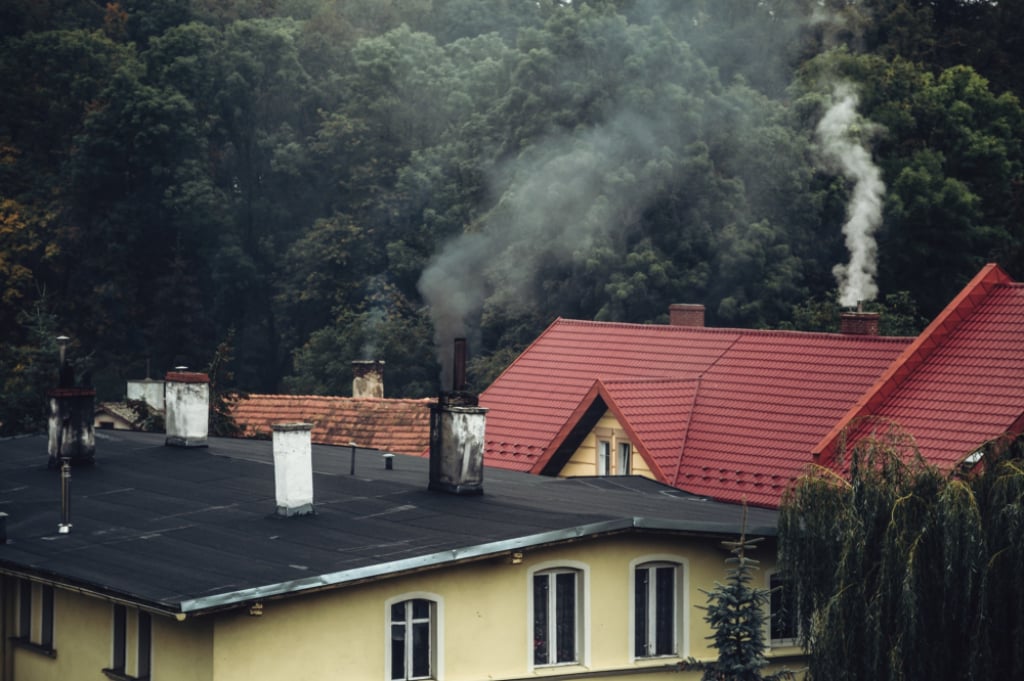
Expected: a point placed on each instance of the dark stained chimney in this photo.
(859, 323)
(72, 417)
(457, 427)
(685, 314)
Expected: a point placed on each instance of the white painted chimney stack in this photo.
(293, 468)
(368, 378)
(187, 408)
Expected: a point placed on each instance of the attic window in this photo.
(35, 617)
(625, 460)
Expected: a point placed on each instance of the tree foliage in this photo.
(172, 171)
(902, 572)
(736, 613)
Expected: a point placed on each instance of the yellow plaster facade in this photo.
(585, 460)
(481, 619)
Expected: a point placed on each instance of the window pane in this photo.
(420, 609)
(664, 617)
(397, 648)
(46, 628)
(640, 598)
(145, 643)
(421, 649)
(25, 610)
(783, 609)
(565, 616)
(398, 612)
(540, 619)
(120, 624)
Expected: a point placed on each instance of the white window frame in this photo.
(436, 633)
(604, 456)
(777, 642)
(624, 457)
(582, 633)
(682, 598)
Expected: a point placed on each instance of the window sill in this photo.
(119, 675)
(25, 644)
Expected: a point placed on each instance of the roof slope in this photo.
(188, 531)
(391, 425)
(764, 398)
(960, 384)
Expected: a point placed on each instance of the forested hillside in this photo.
(288, 185)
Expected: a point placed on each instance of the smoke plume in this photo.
(840, 132)
(560, 200)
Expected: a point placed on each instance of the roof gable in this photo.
(959, 384)
(764, 398)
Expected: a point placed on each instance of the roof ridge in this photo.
(668, 328)
(915, 354)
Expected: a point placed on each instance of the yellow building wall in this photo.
(583, 462)
(484, 624)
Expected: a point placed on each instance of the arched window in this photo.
(413, 638)
(657, 608)
(558, 612)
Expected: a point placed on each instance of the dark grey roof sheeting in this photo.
(185, 531)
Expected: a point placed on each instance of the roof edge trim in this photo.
(197, 606)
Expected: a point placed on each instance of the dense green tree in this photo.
(902, 572)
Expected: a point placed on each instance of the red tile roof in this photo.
(401, 426)
(960, 384)
(728, 413)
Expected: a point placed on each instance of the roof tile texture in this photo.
(401, 426)
(748, 405)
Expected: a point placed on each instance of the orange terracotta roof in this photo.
(960, 384)
(727, 413)
(401, 426)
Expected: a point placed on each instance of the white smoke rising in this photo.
(840, 132)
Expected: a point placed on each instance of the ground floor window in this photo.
(655, 595)
(556, 608)
(35, 615)
(412, 639)
(784, 623)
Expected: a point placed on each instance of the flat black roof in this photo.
(187, 531)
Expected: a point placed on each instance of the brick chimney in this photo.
(293, 468)
(187, 408)
(859, 323)
(686, 314)
(368, 378)
(457, 426)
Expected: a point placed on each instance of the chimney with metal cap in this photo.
(686, 314)
(457, 426)
(186, 408)
(368, 378)
(71, 426)
(293, 468)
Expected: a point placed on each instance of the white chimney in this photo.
(148, 390)
(187, 408)
(368, 378)
(293, 468)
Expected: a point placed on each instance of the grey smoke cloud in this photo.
(560, 200)
(840, 132)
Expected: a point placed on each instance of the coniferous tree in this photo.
(736, 613)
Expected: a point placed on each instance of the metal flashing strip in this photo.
(197, 606)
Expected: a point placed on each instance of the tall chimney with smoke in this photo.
(457, 427)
